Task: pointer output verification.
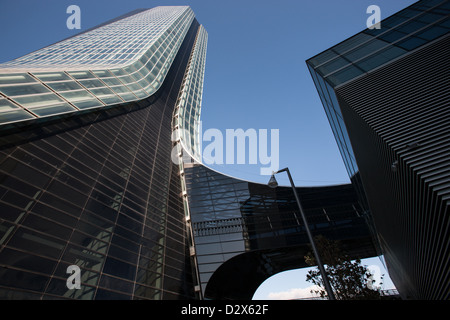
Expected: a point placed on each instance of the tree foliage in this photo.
(349, 279)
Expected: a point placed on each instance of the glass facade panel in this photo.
(16, 78)
(74, 96)
(64, 86)
(14, 115)
(54, 76)
(381, 58)
(344, 75)
(38, 100)
(20, 90)
(81, 74)
(366, 49)
(87, 104)
(433, 33)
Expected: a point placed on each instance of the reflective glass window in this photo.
(432, 33)
(333, 65)
(45, 111)
(15, 78)
(54, 76)
(94, 83)
(86, 104)
(411, 43)
(366, 49)
(411, 26)
(81, 74)
(351, 43)
(111, 81)
(380, 58)
(346, 74)
(76, 95)
(38, 100)
(64, 86)
(18, 90)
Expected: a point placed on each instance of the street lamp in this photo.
(273, 184)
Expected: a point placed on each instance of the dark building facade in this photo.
(97, 188)
(386, 95)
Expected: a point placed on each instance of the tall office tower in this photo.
(86, 170)
(386, 93)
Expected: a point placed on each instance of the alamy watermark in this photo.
(74, 280)
(374, 21)
(234, 146)
(74, 20)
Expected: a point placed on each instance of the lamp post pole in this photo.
(273, 183)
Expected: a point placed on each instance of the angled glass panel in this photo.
(344, 75)
(53, 76)
(16, 78)
(323, 57)
(6, 105)
(126, 79)
(38, 100)
(333, 65)
(92, 103)
(409, 13)
(118, 72)
(432, 33)
(79, 95)
(140, 93)
(380, 58)
(127, 96)
(411, 26)
(102, 92)
(102, 73)
(411, 43)
(111, 81)
(351, 43)
(53, 110)
(93, 83)
(393, 21)
(10, 112)
(366, 49)
(120, 89)
(445, 23)
(64, 86)
(81, 74)
(18, 90)
(429, 17)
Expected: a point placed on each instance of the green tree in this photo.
(349, 279)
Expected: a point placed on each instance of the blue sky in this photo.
(256, 76)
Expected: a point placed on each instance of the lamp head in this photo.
(273, 182)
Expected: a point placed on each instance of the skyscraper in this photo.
(386, 95)
(86, 171)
